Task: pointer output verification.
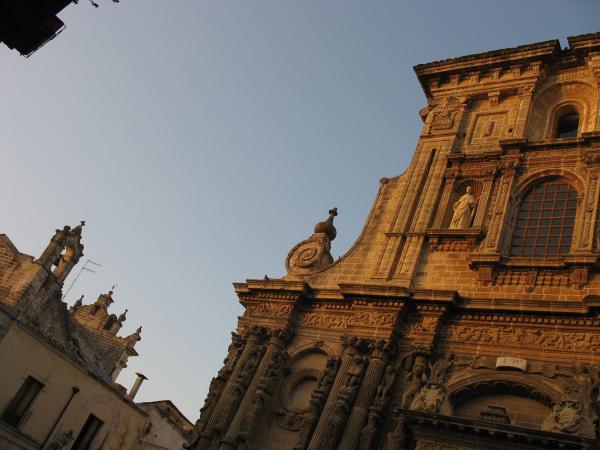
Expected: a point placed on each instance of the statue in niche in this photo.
(464, 209)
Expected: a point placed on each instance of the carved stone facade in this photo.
(467, 314)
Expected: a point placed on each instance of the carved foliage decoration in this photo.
(368, 319)
(521, 337)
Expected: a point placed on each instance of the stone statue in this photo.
(464, 208)
(384, 389)
(415, 381)
(368, 434)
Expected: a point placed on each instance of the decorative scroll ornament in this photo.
(313, 254)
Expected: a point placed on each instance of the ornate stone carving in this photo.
(520, 337)
(384, 389)
(368, 319)
(217, 385)
(432, 398)
(398, 438)
(566, 417)
(368, 434)
(313, 254)
(415, 380)
(269, 309)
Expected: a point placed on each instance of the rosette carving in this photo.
(313, 254)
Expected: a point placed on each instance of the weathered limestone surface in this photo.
(436, 330)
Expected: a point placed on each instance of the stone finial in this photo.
(105, 300)
(123, 317)
(313, 254)
(327, 225)
(134, 338)
(78, 304)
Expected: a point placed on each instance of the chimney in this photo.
(136, 386)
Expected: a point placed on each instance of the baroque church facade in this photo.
(467, 314)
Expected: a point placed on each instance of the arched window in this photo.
(567, 125)
(545, 221)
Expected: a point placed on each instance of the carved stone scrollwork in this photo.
(313, 254)
(433, 397)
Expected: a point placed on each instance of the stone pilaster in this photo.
(353, 347)
(450, 177)
(365, 396)
(234, 390)
(217, 385)
(525, 96)
(251, 408)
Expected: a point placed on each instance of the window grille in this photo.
(545, 222)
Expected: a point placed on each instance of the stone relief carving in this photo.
(384, 389)
(313, 254)
(264, 392)
(416, 378)
(368, 434)
(269, 309)
(523, 337)
(343, 322)
(566, 417)
(433, 396)
(398, 438)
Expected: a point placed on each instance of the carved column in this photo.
(353, 346)
(217, 385)
(234, 390)
(258, 394)
(365, 396)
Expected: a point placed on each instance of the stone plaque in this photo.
(510, 362)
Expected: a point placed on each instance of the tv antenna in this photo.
(87, 269)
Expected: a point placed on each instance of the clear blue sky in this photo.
(202, 140)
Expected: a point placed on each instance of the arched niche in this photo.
(557, 99)
(305, 369)
(508, 397)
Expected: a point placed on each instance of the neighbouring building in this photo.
(58, 366)
(167, 427)
(467, 314)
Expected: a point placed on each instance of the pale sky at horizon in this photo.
(202, 140)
